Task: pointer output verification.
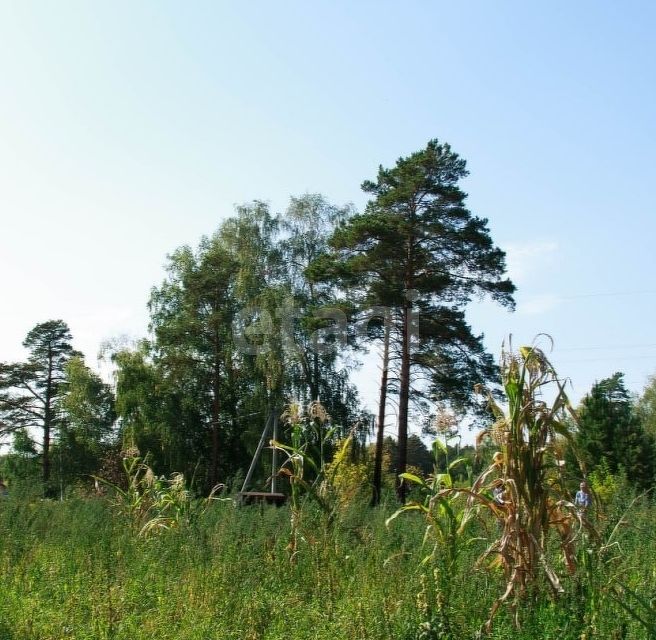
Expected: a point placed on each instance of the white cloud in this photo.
(526, 258)
(535, 305)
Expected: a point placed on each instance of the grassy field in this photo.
(76, 570)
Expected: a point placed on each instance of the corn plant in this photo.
(524, 488)
(152, 503)
(309, 479)
(443, 509)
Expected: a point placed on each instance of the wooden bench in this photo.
(260, 497)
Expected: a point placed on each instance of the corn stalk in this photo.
(152, 503)
(446, 517)
(309, 479)
(527, 472)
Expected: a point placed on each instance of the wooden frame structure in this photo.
(245, 497)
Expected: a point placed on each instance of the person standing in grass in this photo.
(499, 493)
(583, 500)
(4, 492)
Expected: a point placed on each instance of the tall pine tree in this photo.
(610, 429)
(30, 391)
(418, 249)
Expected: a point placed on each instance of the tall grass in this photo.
(76, 570)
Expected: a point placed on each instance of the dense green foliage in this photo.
(87, 423)
(610, 432)
(233, 327)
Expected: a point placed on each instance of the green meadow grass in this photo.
(76, 570)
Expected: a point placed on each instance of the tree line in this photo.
(277, 306)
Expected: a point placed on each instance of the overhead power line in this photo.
(608, 294)
(609, 358)
(609, 347)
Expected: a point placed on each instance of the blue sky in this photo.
(128, 129)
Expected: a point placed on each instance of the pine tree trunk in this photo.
(47, 424)
(46, 447)
(380, 434)
(404, 395)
